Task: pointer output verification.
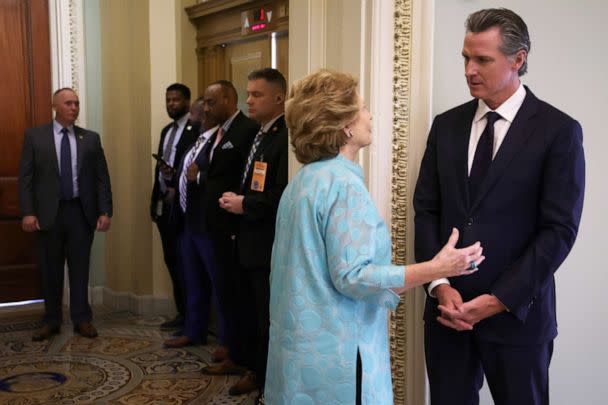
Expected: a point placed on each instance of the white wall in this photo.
(567, 68)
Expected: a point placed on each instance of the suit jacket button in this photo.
(469, 221)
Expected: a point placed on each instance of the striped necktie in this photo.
(183, 181)
(254, 148)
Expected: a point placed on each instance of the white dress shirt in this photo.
(507, 110)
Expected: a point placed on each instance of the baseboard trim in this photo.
(140, 304)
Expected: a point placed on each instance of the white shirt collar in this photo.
(270, 123)
(507, 110)
(228, 122)
(207, 134)
(57, 127)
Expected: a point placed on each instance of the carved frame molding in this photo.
(399, 183)
(67, 49)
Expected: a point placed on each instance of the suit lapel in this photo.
(269, 137)
(205, 151)
(79, 134)
(233, 126)
(50, 140)
(516, 137)
(465, 121)
(184, 140)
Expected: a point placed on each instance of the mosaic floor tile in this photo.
(125, 365)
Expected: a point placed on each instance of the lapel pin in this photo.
(79, 136)
(189, 127)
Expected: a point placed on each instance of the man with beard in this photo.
(175, 139)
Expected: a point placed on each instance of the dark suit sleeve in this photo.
(104, 189)
(154, 197)
(26, 177)
(560, 207)
(427, 203)
(264, 205)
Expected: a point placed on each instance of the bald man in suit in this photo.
(65, 196)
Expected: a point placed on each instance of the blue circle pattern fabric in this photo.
(330, 291)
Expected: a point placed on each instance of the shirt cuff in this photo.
(435, 284)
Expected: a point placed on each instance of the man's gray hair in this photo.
(513, 30)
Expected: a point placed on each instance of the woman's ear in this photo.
(348, 132)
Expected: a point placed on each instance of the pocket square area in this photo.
(227, 145)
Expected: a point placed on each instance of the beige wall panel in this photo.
(126, 122)
(283, 56)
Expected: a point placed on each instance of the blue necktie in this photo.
(483, 155)
(67, 187)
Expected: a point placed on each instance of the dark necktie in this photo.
(169, 147)
(254, 148)
(67, 187)
(483, 155)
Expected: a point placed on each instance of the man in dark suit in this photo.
(262, 183)
(508, 170)
(196, 250)
(64, 195)
(175, 138)
(225, 154)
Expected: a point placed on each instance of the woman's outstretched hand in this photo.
(457, 262)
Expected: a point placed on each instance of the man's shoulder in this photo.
(40, 129)
(243, 123)
(282, 137)
(87, 134)
(552, 114)
(465, 109)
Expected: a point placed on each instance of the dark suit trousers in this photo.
(457, 361)
(200, 282)
(70, 239)
(227, 294)
(168, 236)
(254, 297)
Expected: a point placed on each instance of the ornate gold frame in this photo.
(399, 191)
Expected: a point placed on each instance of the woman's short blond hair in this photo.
(319, 107)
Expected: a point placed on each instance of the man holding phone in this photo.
(175, 139)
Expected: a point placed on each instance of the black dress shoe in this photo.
(227, 367)
(86, 329)
(177, 342)
(44, 333)
(220, 354)
(175, 323)
(248, 383)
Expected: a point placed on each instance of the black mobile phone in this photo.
(161, 160)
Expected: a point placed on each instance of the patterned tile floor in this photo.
(126, 364)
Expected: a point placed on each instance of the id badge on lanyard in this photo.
(258, 178)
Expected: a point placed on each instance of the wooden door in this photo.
(240, 59)
(25, 80)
